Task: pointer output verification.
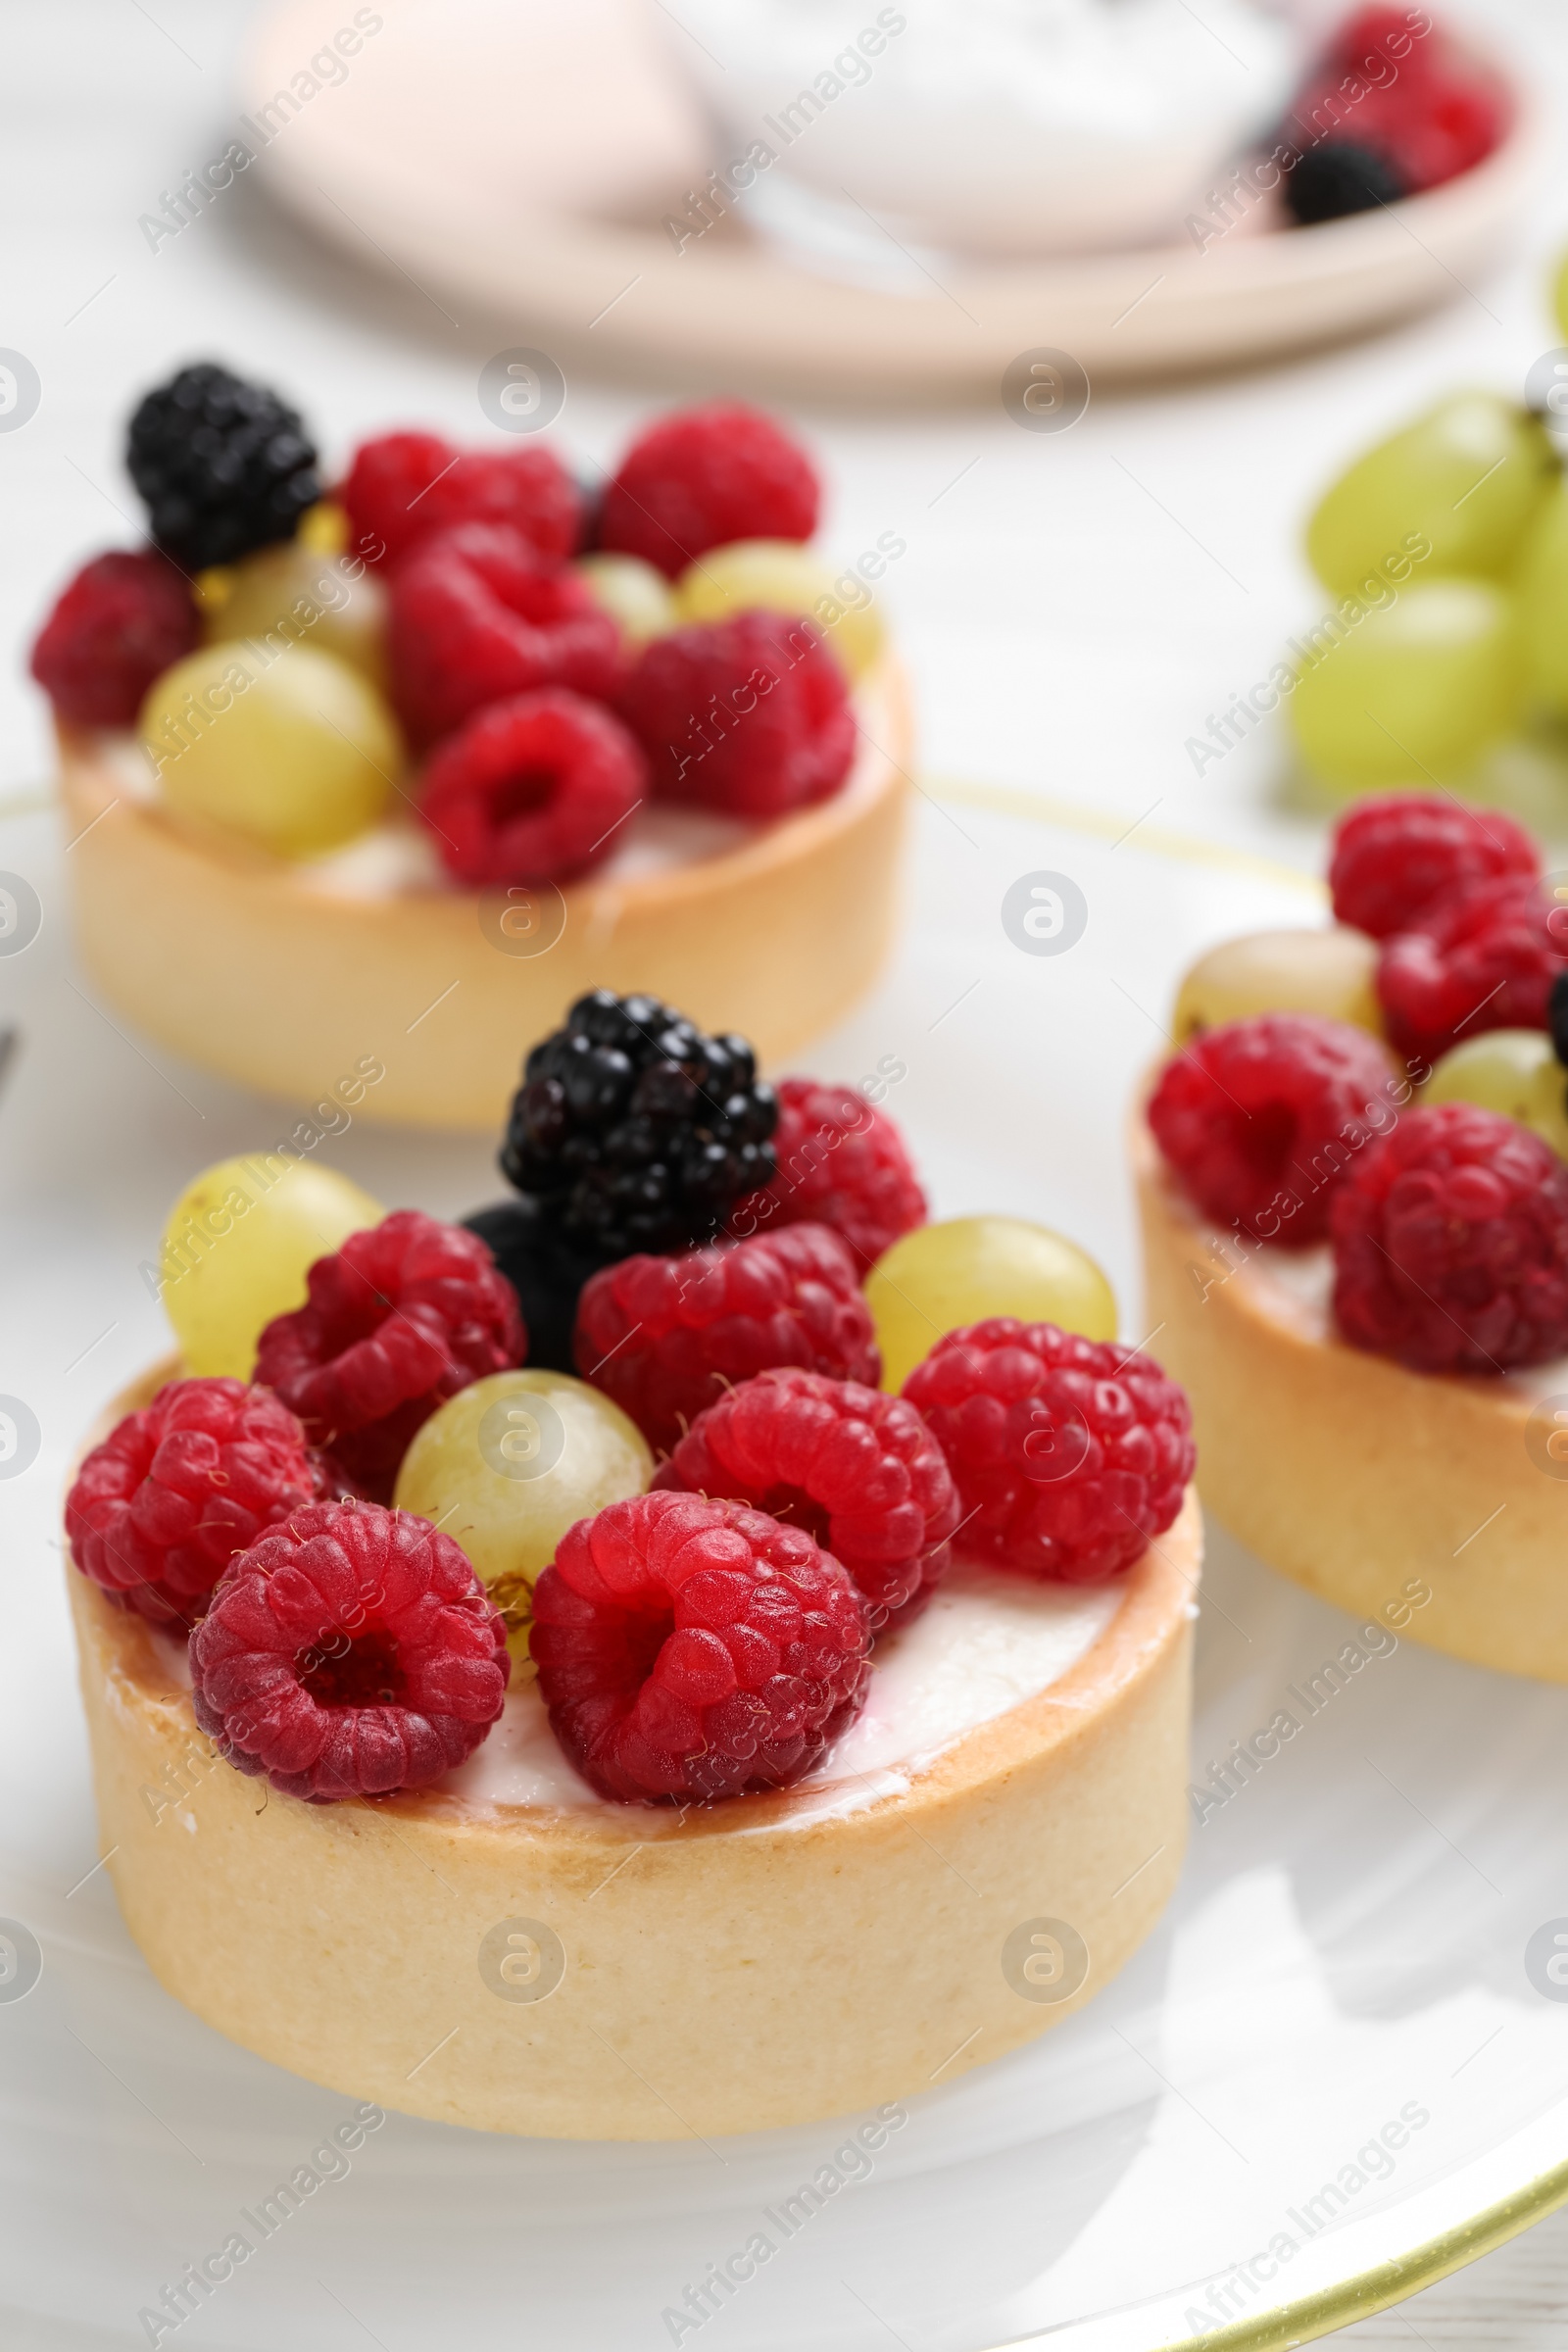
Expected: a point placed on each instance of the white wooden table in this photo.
(1074, 606)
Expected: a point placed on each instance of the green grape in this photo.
(238, 1244)
(1541, 587)
(1465, 481)
(1513, 1071)
(633, 593)
(1413, 693)
(505, 1466)
(779, 575)
(296, 592)
(940, 1277)
(291, 751)
(1560, 294)
(1329, 971)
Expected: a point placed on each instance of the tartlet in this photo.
(739, 1728)
(779, 1958)
(401, 767)
(1354, 1204)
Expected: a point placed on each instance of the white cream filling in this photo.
(987, 1643)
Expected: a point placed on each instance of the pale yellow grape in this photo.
(293, 752)
(1513, 1071)
(238, 1244)
(633, 593)
(1328, 971)
(779, 575)
(1463, 482)
(1540, 592)
(505, 1466)
(323, 528)
(292, 594)
(941, 1277)
(1560, 294)
(1415, 692)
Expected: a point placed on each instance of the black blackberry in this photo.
(224, 467)
(1557, 1015)
(1340, 177)
(635, 1131)
(546, 1267)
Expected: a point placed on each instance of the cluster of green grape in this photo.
(308, 752)
(1448, 547)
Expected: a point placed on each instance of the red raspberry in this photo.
(662, 1336)
(1430, 114)
(1451, 1243)
(1259, 1118)
(1443, 120)
(1483, 958)
(690, 1649)
(840, 1163)
(531, 790)
(396, 1321)
(703, 478)
(401, 488)
(352, 1652)
(750, 715)
(1368, 31)
(475, 618)
(1068, 1454)
(1398, 853)
(857, 1470)
(161, 1507)
(123, 622)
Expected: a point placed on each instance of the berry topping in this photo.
(1451, 1243)
(1260, 1117)
(840, 1163)
(690, 1649)
(348, 1654)
(531, 790)
(1393, 129)
(857, 1469)
(702, 477)
(404, 487)
(395, 1322)
(749, 716)
(1396, 854)
(478, 617)
(664, 1336)
(637, 1130)
(224, 467)
(174, 1492)
(123, 619)
(1483, 958)
(1068, 1454)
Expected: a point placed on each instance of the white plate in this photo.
(1348, 1946)
(502, 157)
